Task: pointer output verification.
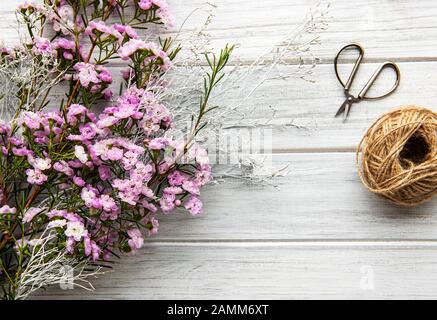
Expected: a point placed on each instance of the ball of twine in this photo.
(399, 155)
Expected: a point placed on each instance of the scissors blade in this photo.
(343, 107)
(346, 111)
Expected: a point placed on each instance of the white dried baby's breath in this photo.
(233, 95)
(22, 72)
(47, 265)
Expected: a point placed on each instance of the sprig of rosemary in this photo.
(211, 79)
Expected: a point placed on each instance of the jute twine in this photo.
(399, 155)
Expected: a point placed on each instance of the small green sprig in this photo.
(211, 79)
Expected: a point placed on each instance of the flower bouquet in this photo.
(83, 178)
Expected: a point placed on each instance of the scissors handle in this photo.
(387, 64)
(348, 84)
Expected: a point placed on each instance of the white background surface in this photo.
(317, 234)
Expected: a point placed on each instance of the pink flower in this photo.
(136, 240)
(176, 178)
(104, 74)
(129, 190)
(39, 163)
(126, 73)
(104, 172)
(107, 94)
(63, 43)
(114, 154)
(147, 205)
(78, 181)
(43, 47)
(87, 245)
(4, 127)
(87, 131)
(142, 172)
(128, 30)
(21, 152)
(33, 5)
(167, 203)
(108, 203)
(63, 20)
(203, 174)
(88, 196)
(166, 16)
(100, 28)
(6, 209)
(30, 214)
(67, 55)
(31, 120)
(75, 230)
(95, 250)
(35, 176)
(134, 45)
(86, 73)
(73, 111)
(76, 164)
(129, 160)
(191, 186)
(107, 121)
(199, 154)
(7, 52)
(157, 116)
(90, 247)
(158, 143)
(194, 205)
(80, 153)
(173, 190)
(125, 111)
(63, 167)
(145, 4)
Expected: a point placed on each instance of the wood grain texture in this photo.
(402, 29)
(321, 198)
(310, 236)
(269, 271)
(304, 111)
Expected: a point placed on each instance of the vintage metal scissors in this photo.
(350, 99)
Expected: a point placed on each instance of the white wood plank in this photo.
(268, 271)
(388, 29)
(321, 198)
(401, 29)
(304, 111)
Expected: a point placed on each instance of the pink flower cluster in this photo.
(110, 175)
(106, 171)
(162, 9)
(64, 47)
(95, 77)
(91, 178)
(149, 51)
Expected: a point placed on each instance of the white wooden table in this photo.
(320, 234)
